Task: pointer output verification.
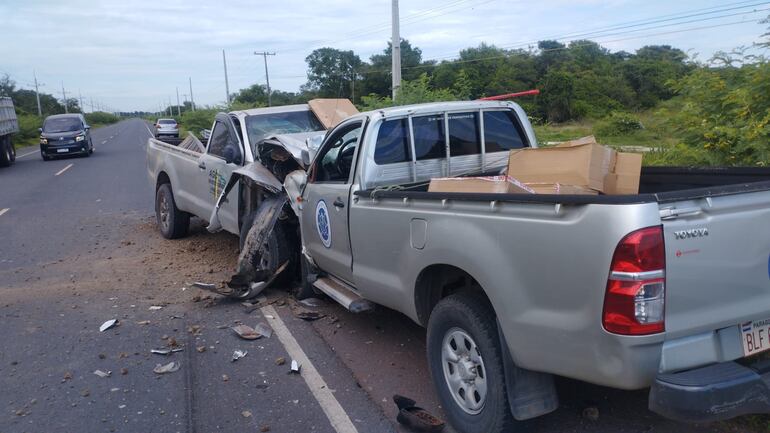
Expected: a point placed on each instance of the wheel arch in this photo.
(161, 179)
(437, 281)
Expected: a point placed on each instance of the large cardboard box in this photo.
(561, 189)
(484, 184)
(625, 177)
(584, 165)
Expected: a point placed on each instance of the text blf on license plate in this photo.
(755, 336)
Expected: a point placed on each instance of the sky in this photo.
(133, 54)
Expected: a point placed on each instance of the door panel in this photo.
(326, 228)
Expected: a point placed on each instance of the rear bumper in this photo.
(713, 393)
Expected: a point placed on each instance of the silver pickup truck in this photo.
(668, 289)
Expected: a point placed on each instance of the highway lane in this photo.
(81, 247)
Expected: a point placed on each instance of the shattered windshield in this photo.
(261, 126)
(62, 124)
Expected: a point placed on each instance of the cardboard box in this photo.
(485, 184)
(590, 139)
(584, 165)
(625, 177)
(558, 188)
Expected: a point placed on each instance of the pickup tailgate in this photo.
(717, 262)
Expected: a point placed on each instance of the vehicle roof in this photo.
(165, 118)
(271, 110)
(433, 107)
(59, 116)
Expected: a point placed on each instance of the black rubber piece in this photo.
(276, 245)
(713, 393)
(472, 313)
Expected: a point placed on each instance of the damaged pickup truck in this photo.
(668, 289)
(226, 181)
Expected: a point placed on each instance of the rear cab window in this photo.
(502, 133)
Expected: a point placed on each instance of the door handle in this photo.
(338, 203)
(202, 165)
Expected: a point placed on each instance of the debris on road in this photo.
(264, 330)
(67, 376)
(165, 352)
(246, 414)
(168, 368)
(143, 322)
(201, 349)
(246, 332)
(280, 361)
(312, 302)
(238, 354)
(591, 413)
(123, 371)
(194, 330)
(415, 417)
(307, 315)
(108, 324)
(103, 374)
(264, 428)
(295, 366)
(155, 307)
(225, 378)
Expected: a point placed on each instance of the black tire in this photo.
(172, 222)
(6, 157)
(12, 150)
(277, 247)
(44, 156)
(472, 315)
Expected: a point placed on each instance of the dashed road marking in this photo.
(2, 211)
(63, 169)
(26, 154)
(337, 416)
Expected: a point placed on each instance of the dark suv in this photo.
(65, 134)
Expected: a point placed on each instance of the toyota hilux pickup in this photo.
(667, 289)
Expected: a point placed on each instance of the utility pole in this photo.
(227, 85)
(264, 55)
(395, 51)
(64, 95)
(92, 104)
(80, 97)
(192, 100)
(37, 95)
(178, 112)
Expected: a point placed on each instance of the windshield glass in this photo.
(62, 124)
(261, 126)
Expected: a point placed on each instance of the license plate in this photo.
(755, 336)
(62, 150)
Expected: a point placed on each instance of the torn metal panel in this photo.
(255, 244)
(294, 144)
(332, 111)
(254, 172)
(294, 184)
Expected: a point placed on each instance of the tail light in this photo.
(634, 303)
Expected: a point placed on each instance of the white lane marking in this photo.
(2, 211)
(337, 416)
(64, 169)
(27, 154)
(148, 129)
(104, 142)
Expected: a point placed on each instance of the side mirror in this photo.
(40, 130)
(305, 158)
(88, 127)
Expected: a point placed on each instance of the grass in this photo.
(660, 139)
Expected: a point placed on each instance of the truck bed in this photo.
(657, 184)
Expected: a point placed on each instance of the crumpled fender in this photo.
(256, 173)
(264, 222)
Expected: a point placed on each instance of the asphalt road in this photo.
(78, 246)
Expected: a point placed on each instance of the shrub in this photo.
(101, 118)
(28, 127)
(618, 123)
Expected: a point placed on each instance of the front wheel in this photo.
(466, 364)
(173, 223)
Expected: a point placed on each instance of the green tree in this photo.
(376, 75)
(332, 73)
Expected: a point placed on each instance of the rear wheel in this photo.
(173, 223)
(6, 152)
(466, 364)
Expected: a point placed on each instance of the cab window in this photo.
(223, 145)
(335, 160)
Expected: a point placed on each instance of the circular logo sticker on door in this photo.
(323, 224)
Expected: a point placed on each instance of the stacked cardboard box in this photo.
(579, 166)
